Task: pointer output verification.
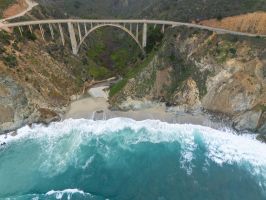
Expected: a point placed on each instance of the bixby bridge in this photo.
(82, 28)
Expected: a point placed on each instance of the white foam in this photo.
(221, 147)
(69, 192)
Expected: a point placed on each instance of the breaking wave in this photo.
(125, 159)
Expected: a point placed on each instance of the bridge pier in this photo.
(30, 28)
(20, 30)
(42, 32)
(144, 35)
(61, 34)
(137, 31)
(72, 38)
(80, 37)
(85, 28)
(51, 31)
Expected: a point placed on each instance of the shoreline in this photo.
(94, 105)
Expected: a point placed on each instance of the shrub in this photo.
(99, 73)
(117, 87)
(10, 60)
(219, 17)
(154, 38)
(5, 38)
(30, 36)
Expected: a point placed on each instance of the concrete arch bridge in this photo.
(80, 29)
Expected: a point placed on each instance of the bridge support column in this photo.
(85, 28)
(30, 28)
(20, 30)
(80, 37)
(137, 32)
(163, 27)
(144, 35)
(61, 34)
(72, 38)
(51, 31)
(42, 32)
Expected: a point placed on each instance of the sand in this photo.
(96, 107)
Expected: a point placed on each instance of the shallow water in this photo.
(125, 159)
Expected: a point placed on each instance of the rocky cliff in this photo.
(195, 69)
(37, 79)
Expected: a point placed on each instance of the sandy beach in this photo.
(94, 105)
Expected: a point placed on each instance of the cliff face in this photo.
(201, 70)
(36, 79)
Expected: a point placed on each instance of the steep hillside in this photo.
(201, 70)
(99, 9)
(37, 78)
(4, 4)
(179, 10)
(250, 23)
(188, 10)
(17, 7)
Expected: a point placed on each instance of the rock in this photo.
(262, 129)
(247, 121)
(188, 94)
(47, 116)
(261, 138)
(7, 114)
(2, 144)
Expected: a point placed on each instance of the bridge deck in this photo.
(128, 21)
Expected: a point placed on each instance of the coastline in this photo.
(94, 105)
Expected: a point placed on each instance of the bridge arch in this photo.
(110, 25)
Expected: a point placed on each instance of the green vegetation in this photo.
(30, 36)
(95, 52)
(219, 17)
(117, 87)
(131, 73)
(4, 38)
(181, 10)
(223, 50)
(261, 107)
(154, 39)
(10, 60)
(99, 73)
(113, 50)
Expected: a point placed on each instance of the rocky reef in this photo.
(200, 70)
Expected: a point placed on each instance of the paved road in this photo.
(134, 21)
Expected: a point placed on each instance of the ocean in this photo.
(123, 159)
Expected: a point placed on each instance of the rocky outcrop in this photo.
(199, 69)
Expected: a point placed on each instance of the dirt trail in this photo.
(19, 9)
(250, 23)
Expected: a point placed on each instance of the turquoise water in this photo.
(124, 159)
